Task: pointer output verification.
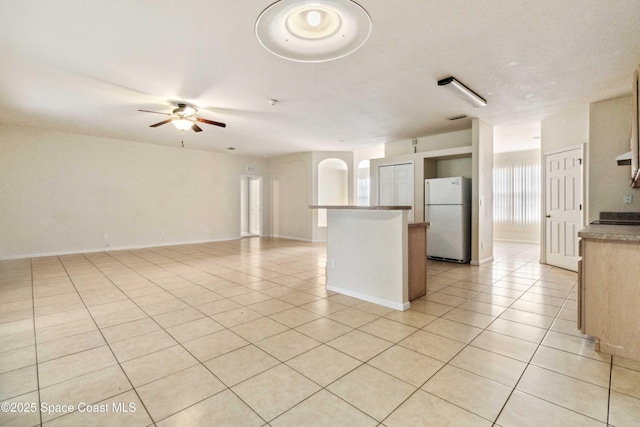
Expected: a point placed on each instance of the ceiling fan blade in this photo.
(196, 128)
(156, 112)
(160, 123)
(211, 122)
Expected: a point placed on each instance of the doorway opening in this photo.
(251, 206)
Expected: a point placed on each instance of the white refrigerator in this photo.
(448, 209)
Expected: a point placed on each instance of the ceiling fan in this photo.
(184, 117)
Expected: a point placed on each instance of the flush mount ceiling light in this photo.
(463, 92)
(313, 31)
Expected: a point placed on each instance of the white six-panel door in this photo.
(563, 207)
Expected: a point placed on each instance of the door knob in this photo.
(548, 216)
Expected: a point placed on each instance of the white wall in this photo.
(450, 153)
(568, 128)
(333, 183)
(294, 186)
(565, 129)
(454, 167)
(333, 186)
(319, 233)
(244, 206)
(375, 152)
(461, 138)
(62, 192)
(291, 192)
(482, 194)
(452, 146)
(367, 256)
(609, 130)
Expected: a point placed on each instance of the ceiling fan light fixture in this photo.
(314, 18)
(184, 110)
(463, 92)
(313, 31)
(182, 124)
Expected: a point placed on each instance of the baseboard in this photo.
(484, 261)
(293, 238)
(113, 249)
(368, 298)
(531, 242)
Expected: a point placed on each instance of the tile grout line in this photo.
(105, 340)
(462, 349)
(484, 329)
(300, 373)
(529, 364)
(187, 258)
(192, 355)
(610, 393)
(469, 344)
(201, 362)
(35, 340)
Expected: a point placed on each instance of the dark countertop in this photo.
(620, 216)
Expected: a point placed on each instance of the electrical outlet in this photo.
(332, 263)
(627, 199)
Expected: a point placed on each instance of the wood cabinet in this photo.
(609, 295)
(417, 260)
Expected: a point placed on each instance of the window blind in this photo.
(516, 196)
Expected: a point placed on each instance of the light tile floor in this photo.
(244, 333)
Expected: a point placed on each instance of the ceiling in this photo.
(88, 66)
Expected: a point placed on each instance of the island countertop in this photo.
(363, 208)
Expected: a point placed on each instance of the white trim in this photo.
(114, 249)
(365, 297)
(563, 149)
(300, 239)
(484, 261)
(531, 242)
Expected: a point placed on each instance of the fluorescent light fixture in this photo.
(463, 92)
(459, 117)
(313, 31)
(624, 159)
(182, 124)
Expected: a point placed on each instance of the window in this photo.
(516, 196)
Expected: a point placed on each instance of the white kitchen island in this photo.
(368, 254)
